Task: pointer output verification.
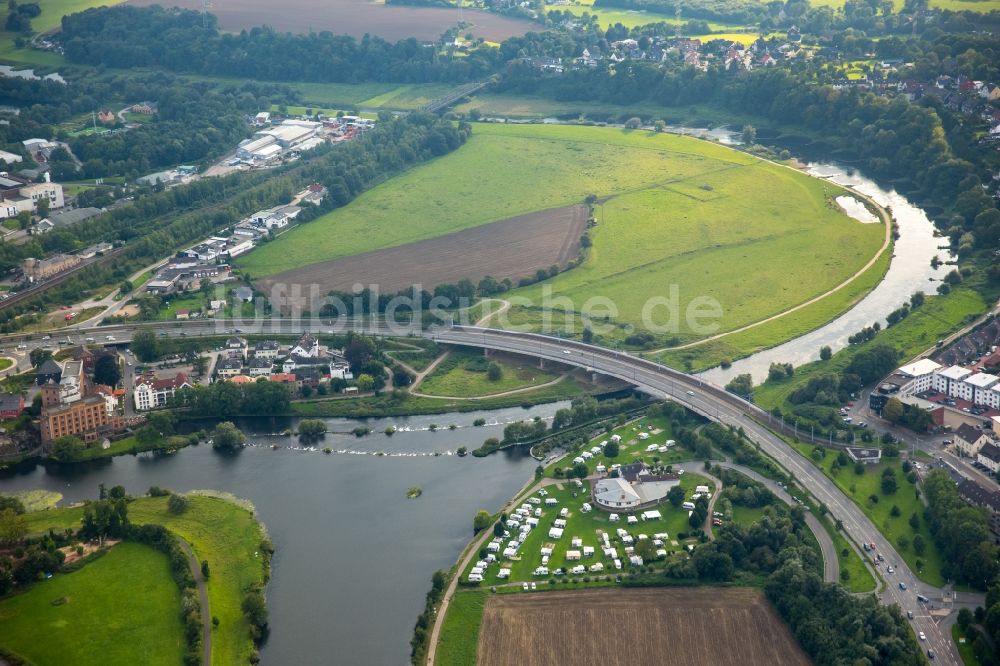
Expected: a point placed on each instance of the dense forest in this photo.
(962, 533)
(836, 627)
(188, 41)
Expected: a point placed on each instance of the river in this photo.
(910, 270)
(354, 556)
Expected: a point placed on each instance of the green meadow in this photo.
(464, 374)
(220, 531)
(120, 608)
(673, 212)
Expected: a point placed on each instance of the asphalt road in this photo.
(717, 405)
(709, 400)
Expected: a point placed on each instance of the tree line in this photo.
(189, 41)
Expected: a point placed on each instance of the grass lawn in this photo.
(931, 322)
(464, 374)
(861, 579)
(631, 18)
(122, 608)
(963, 646)
(219, 531)
(6, 363)
(459, 637)
(792, 325)
(860, 487)
(631, 447)
(128, 445)
(587, 526)
(193, 302)
(704, 233)
(385, 405)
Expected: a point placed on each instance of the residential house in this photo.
(182, 313)
(11, 405)
(308, 376)
(989, 457)
(229, 367)
(969, 440)
(306, 346)
(151, 392)
(244, 294)
(266, 349)
(259, 367)
(985, 498)
(236, 347)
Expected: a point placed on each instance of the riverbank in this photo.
(403, 404)
(220, 530)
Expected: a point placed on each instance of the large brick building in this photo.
(88, 417)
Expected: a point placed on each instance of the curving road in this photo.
(700, 396)
(716, 404)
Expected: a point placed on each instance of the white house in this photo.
(151, 392)
(266, 349)
(306, 346)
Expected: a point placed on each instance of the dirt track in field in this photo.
(354, 17)
(511, 248)
(640, 627)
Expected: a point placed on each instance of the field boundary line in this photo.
(886, 221)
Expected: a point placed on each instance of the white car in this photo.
(566, 351)
(922, 636)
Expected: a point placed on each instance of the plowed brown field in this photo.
(511, 248)
(654, 627)
(354, 17)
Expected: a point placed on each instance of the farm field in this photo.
(104, 619)
(630, 18)
(673, 212)
(663, 626)
(357, 18)
(531, 242)
(219, 531)
(471, 186)
(464, 374)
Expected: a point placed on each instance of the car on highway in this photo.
(46, 337)
(889, 569)
(690, 392)
(909, 614)
(922, 599)
(566, 351)
(930, 653)
(902, 585)
(922, 636)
